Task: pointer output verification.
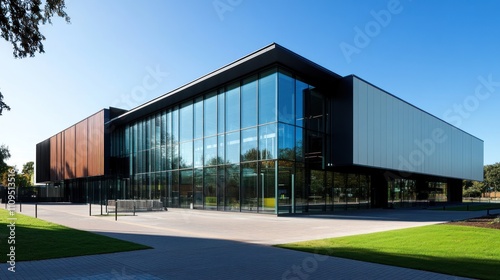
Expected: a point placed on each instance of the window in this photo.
(286, 98)
(267, 97)
(249, 102)
(233, 107)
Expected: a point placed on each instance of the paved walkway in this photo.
(194, 244)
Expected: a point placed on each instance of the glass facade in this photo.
(254, 145)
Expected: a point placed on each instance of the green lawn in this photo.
(38, 239)
(456, 250)
(472, 207)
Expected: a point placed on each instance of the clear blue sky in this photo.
(437, 55)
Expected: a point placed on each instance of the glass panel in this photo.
(249, 150)
(221, 151)
(300, 91)
(317, 192)
(267, 186)
(249, 102)
(249, 186)
(315, 111)
(198, 188)
(233, 107)
(285, 186)
(299, 142)
(364, 191)
(221, 183)
(175, 139)
(267, 97)
(198, 118)
(209, 188)
(210, 114)
(314, 152)
(352, 191)
(286, 143)
(175, 188)
(329, 190)
(186, 122)
(186, 188)
(267, 141)
(198, 153)
(233, 147)
(211, 151)
(339, 191)
(286, 97)
(186, 158)
(232, 193)
(221, 109)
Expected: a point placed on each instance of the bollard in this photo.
(36, 210)
(90, 209)
(134, 210)
(20, 205)
(116, 210)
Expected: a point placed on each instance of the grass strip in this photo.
(455, 250)
(36, 239)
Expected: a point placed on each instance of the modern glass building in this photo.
(273, 133)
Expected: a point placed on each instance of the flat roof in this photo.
(273, 54)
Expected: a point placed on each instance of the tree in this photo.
(4, 155)
(3, 105)
(28, 171)
(492, 176)
(20, 22)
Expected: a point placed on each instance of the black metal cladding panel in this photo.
(273, 54)
(43, 161)
(342, 130)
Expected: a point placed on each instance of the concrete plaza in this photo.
(194, 244)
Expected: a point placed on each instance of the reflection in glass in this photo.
(249, 102)
(210, 188)
(198, 118)
(232, 194)
(233, 107)
(186, 188)
(211, 151)
(267, 97)
(249, 186)
(286, 97)
(186, 122)
(267, 141)
(249, 144)
(267, 181)
(186, 159)
(198, 188)
(286, 142)
(221, 112)
(233, 147)
(210, 114)
(198, 153)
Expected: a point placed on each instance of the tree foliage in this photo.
(4, 155)
(20, 22)
(3, 105)
(490, 183)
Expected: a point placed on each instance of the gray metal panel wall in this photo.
(392, 134)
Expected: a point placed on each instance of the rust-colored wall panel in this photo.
(95, 154)
(78, 151)
(81, 149)
(69, 153)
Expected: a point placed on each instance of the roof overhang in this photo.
(270, 55)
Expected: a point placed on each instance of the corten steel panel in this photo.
(95, 155)
(69, 153)
(81, 149)
(60, 156)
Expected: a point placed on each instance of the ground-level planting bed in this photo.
(467, 251)
(37, 239)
